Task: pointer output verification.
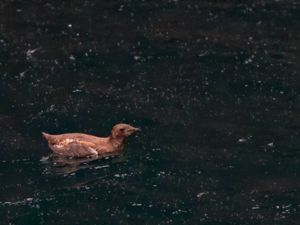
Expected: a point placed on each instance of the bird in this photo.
(80, 145)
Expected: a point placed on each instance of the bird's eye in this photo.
(122, 129)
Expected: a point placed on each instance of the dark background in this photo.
(214, 85)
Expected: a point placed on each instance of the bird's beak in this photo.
(135, 129)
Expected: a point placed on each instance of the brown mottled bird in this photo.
(85, 145)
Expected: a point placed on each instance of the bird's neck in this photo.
(117, 142)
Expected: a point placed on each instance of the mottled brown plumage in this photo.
(85, 145)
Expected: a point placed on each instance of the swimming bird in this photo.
(85, 145)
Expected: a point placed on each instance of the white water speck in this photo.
(22, 74)
(241, 140)
(101, 167)
(271, 144)
(200, 194)
(136, 204)
(121, 8)
(71, 57)
(30, 52)
(136, 57)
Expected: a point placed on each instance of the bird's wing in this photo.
(75, 148)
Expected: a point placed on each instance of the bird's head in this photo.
(123, 130)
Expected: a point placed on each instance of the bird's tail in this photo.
(46, 136)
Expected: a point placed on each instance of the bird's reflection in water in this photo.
(58, 165)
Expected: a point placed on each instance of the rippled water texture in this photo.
(214, 85)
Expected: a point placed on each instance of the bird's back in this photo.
(54, 138)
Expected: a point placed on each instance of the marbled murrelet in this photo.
(85, 145)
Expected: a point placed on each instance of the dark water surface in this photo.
(214, 85)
